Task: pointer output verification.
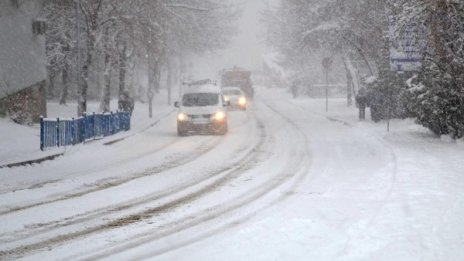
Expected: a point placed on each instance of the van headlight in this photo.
(242, 101)
(219, 116)
(182, 116)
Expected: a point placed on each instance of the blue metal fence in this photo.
(63, 132)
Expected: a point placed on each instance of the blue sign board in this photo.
(407, 43)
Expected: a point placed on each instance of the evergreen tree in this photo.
(438, 91)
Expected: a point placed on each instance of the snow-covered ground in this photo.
(288, 182)
(23, 143)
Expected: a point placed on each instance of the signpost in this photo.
(327, 65)
(406, 51)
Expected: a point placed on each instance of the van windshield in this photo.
(200, 99)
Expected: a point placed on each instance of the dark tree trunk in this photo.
(65, 82)
(105, 102)
(349, 84)
(122, 76)
(157, 76)
(181, 71)
(169, 80)
(51, 82)
(82, 90)
(151, 82)
(91, 18)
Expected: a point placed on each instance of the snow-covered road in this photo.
(288, 182)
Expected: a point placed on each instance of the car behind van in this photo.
(236, 97)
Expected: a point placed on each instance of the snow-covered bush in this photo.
(388, 93)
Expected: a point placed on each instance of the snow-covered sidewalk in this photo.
(20, 143)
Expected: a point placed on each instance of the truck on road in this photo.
(238, 77)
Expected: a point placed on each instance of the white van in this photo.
(202, 109)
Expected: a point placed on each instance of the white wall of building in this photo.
(22, 54)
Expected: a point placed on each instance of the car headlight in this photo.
(242, 101)
(219, 116)
(182, 116)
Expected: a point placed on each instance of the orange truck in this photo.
(237, 77)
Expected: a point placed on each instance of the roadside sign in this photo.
(406, 45)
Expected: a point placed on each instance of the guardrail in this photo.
(64, 132)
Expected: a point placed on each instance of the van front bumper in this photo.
(206, 126)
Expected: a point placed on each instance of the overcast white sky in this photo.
(245, 50)
(247, 47)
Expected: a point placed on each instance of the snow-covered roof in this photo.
(231, 88)
(205, 88)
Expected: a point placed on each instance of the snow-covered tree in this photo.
(60, 45)
(115, 35)
(361, 33)
(355, 31)
(438, 90)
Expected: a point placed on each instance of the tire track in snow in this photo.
(177, 161)
(230, 172)
(106, 183)
(294, 172)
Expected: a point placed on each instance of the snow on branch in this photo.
(187, 7)
(332, 25)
